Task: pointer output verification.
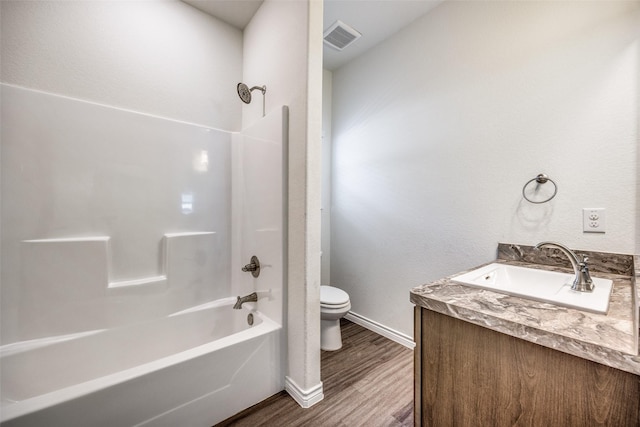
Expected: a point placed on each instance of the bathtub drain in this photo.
(250, 319)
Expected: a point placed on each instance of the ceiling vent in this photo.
(340, 35)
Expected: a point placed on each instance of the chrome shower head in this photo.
(245, 93)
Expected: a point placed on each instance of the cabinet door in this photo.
(468, 375)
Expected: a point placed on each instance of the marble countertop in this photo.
(610, 339)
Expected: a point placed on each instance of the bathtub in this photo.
(192, 368)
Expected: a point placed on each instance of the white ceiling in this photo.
(376, 20)
(235, 12)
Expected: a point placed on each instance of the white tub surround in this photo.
(119, 249)
(168, 60)
(109, 217)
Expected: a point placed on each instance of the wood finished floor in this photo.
(369, 382)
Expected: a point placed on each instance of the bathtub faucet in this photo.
(252, 297)
(582, 281)
(253, 267)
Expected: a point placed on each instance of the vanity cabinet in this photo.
(469, 375)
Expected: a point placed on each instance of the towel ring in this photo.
(540, 179)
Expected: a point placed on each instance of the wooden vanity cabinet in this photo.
(468, 375)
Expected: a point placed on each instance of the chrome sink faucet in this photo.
(252, 297)
(582, 281)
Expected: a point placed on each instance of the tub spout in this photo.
(252, 297)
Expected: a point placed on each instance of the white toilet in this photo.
(334, 304)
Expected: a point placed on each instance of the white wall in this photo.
(326, 178)
(283, 50)
(158, 57)
(436, 130)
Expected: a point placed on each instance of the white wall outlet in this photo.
(593, 220)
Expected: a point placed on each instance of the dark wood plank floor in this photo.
(369, 382)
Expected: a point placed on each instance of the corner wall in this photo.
(436, 131)
(283, 50)
(326, 178)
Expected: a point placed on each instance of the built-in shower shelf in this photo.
(67, 278)
(64, 273)
(70, 239)
(155, 280)
(189, 234)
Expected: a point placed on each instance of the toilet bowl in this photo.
(334, 304)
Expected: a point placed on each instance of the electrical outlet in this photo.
(593, 220)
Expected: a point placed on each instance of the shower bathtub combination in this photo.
(190, 363)
(124, 238)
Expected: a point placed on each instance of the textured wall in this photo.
(326, 177)
(158, 57)
(436, 130)
(282, 50)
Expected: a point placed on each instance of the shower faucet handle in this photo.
(250, 267)
(253, 267)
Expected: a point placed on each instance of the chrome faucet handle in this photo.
(586, 282)
(249, 267)
(253, 267)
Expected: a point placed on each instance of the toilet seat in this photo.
(331, 297)
(325, 308)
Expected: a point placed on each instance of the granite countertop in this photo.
(610, 339)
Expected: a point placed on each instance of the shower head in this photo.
(245, 93)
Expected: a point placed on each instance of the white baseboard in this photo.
(304, 398)
(385, 331)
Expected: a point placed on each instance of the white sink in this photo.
(539, 285)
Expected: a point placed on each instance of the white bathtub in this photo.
(193, 368)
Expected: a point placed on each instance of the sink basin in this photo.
(540, 285)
